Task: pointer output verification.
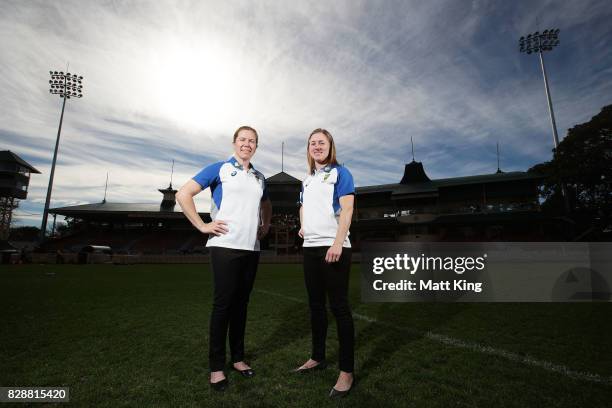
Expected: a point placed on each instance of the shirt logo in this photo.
(326, 177)
(233, 173)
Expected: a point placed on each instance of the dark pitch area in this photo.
(137, 336)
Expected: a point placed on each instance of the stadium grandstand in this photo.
(147, 228)
(284, 191)
(143, 228)
(14, 181)
(491, 207)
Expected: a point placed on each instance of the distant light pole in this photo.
(540, 42)
(65, 85)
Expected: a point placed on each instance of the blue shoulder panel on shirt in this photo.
(209, 175)
(344, 186)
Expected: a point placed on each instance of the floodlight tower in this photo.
(540, 42)
(66, 85)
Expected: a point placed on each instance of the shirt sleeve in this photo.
(264, 196)
(301, 197)
(344, 185)
(208, 176)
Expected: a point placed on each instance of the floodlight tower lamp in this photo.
(65, 85)
(540, 42)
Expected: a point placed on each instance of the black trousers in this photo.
(233, 274)
(329, 280)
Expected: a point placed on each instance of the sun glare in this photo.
(196, 87)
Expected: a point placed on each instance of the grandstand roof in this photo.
(133, 209)
(414, 173)
(431, 186)
(282, 178)
(6, 156)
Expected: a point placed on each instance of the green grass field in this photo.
(136, 336)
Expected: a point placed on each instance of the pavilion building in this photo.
(490, 207)
(14, 181)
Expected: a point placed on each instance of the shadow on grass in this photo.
(292, 325)
(381, 340)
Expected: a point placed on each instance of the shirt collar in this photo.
(325, 169)
(237, 164)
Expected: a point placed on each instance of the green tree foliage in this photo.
(583, 161)
(24, 234)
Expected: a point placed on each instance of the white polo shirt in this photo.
(236, 195)
(320, 199)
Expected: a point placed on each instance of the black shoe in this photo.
(248, 373)
(321, 366)
(334, 393)
(219, 385)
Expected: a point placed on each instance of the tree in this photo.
(62, 229)
(583, 161)
(25, 233)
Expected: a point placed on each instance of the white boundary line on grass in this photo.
(479, 348)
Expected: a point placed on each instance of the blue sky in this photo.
(173, 79)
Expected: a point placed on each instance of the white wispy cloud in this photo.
(172, 80)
